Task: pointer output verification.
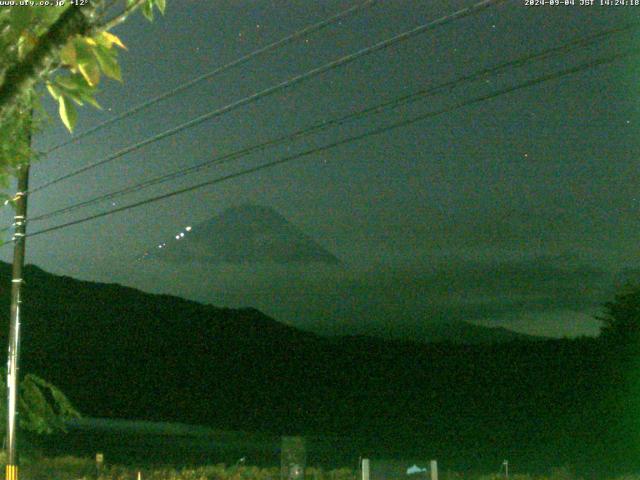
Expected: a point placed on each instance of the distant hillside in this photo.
(463, 332)
(121, 353)
(468, 333)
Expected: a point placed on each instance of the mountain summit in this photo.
(244, 234)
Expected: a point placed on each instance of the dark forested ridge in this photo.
(118, 352)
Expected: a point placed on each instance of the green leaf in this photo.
(77, 89)
(108, 62)
(68, 55)
(26, 42)
(109, 40)
(21, 19)
(162, 5)
(54, 91)
(87, 61)
(72, 83)
(68, 112)
(147, 10)
(90, 100)
(51, 14)
(91, 72)
(84, 51)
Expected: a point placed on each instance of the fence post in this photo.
(434, 470)
(366, 469)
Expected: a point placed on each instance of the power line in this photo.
(323, 125)
(217, 71)
(378, 131)
(459, 14)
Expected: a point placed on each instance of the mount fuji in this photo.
(245, 234)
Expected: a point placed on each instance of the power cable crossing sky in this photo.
(374, 109)
(404, 36)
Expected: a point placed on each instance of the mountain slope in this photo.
(467, 333)
(130, 350)
(121, 353)
(244, 235)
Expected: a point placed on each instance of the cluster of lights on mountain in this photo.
(179, 236)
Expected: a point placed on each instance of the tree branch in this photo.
(23, 75)
(118, 19)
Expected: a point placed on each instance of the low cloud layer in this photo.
(554, 296)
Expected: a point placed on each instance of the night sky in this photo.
(520, 211)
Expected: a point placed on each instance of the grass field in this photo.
(74, 468)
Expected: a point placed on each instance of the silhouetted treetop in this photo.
(622, 316)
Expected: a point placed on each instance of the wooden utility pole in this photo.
(20, 229)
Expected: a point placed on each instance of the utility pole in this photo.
(20, 229)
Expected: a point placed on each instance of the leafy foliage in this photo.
(71, 70)
(21, 29)
(14, 143)
(43, 407)
(85, 59)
